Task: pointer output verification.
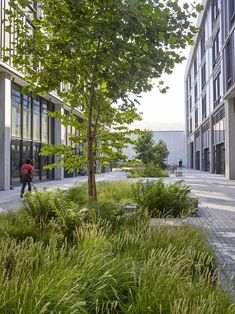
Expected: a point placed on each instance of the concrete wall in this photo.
(175, 141)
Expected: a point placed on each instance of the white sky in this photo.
(165, 111)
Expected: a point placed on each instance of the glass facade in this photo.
(31, 128)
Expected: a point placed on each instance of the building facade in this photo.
(175, 142)
(24, 122)
(210, 91)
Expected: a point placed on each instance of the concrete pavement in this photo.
(217, 213)
(10, 200)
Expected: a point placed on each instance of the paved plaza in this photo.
(216, 210)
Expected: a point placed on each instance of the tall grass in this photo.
(135, 270)
(161, 199)
(56, 256)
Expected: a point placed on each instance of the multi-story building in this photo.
(24, 122)
(210, 91)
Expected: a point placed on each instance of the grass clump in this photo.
(163, 200)
(148, 171)
(74, 257)
(136, 269)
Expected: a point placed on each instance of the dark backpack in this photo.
(25, 175)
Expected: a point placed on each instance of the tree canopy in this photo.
(102, 51)
(148, 151)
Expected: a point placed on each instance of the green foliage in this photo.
(161, 154)
(120, 191)
(43, 206)
(130, 163)
(151, 170)
(150, 152)
(164, 200)
(20, 226)
(112, 264)
(54, 211)
(77, 194)
(144, 147)
(104, 51)
(121, 272)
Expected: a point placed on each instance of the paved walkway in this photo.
(217, 213)
(10, 200)
(216, 209)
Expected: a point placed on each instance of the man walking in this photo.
(26, 172)
(180, 164)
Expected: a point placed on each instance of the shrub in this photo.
(149, 171)
(152, 171)
(53, 210)
(164, 200)
(77, 194)
(42, 206)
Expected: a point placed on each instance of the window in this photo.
(44, 121)
(229, 62)
(231, 11)
(190, 125)
(15, 161)
(215, 9)
(203, 75)
(16, 113)
(190, 104)
(216, 90)
(36, 119)
(203, 44)
(196, 118)
(215, 48)
(204, 107)
(27, 113)
(31, 128)
(195, 66)
(189, 83)
(195, 92)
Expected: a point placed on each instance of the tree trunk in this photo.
(90, 153)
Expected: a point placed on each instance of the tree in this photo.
(148, 151)
(104, 50)
(161, 154)
(144, 147)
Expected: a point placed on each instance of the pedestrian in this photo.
(180, 164)
(26, 172)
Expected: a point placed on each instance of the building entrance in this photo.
(197, 160)
(191, 156)
(220, 159)
(206, 159)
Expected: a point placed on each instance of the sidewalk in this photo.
(217, 213)
(10, 200)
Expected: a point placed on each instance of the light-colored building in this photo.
(210, 91)
(24, 122)
(175, 141)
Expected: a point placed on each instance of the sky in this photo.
(162, 112)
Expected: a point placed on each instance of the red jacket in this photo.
(26, 172)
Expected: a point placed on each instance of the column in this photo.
(230, 138)
(201, 151)
(5, 131)
(59, 140)
(211, 148)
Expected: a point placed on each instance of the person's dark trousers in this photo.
(24, 185)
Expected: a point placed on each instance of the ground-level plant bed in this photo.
(130, 269)
(148, 171)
